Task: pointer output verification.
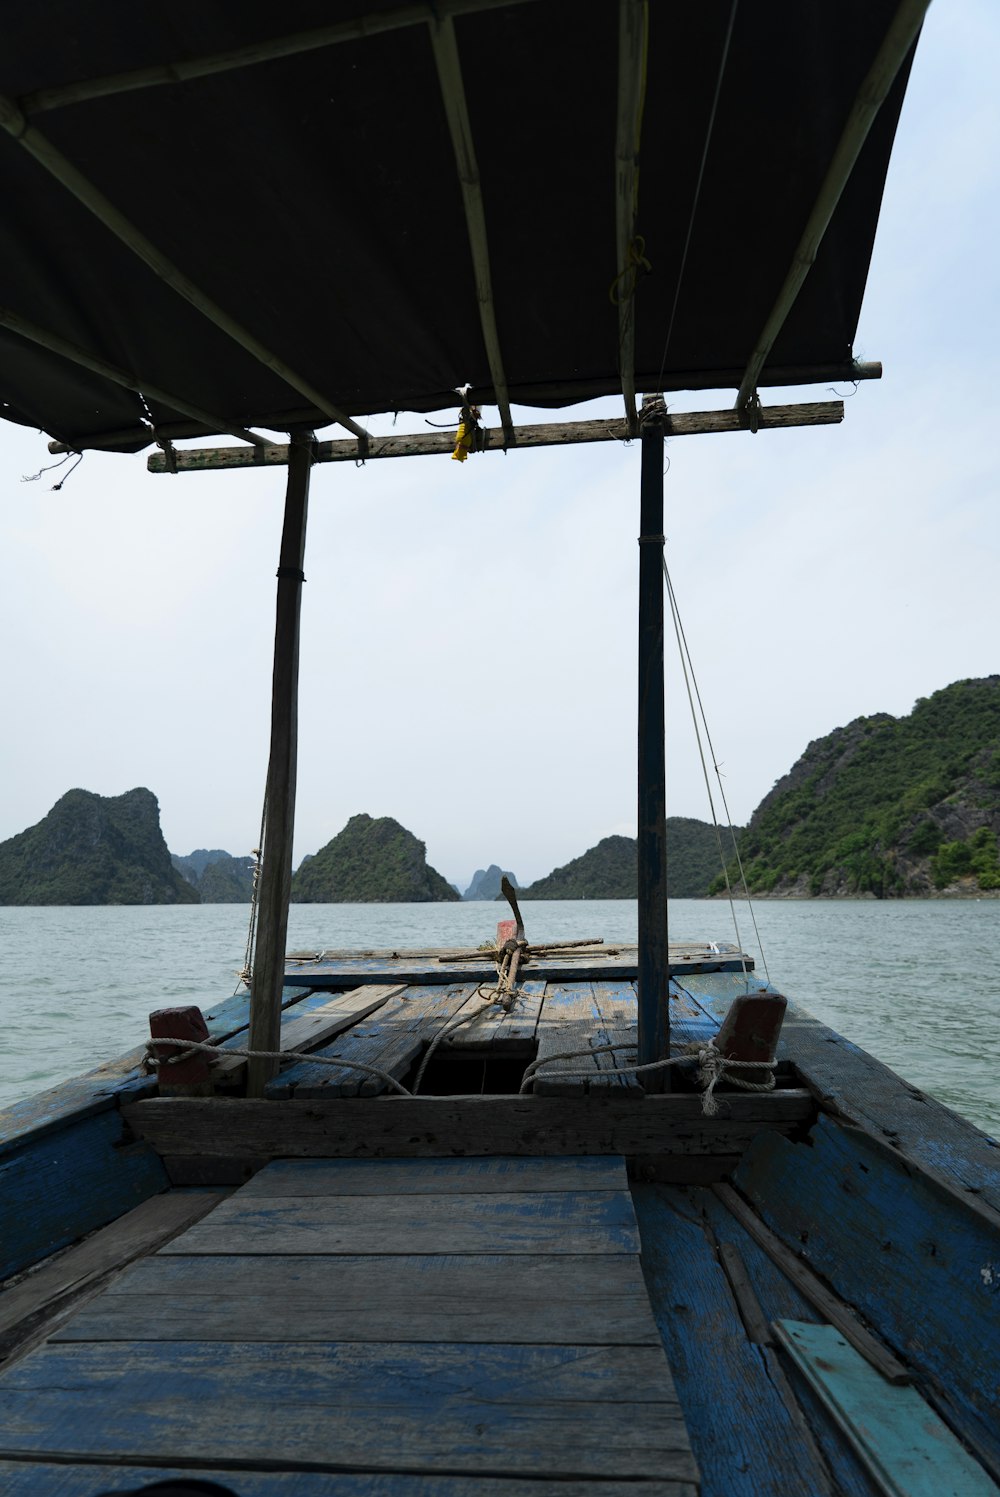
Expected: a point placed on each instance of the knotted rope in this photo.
(711, 1068)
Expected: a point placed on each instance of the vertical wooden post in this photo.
(276, 866)
(654, 1015)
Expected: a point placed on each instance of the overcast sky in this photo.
(468, 659)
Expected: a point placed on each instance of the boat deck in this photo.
(484, 1323)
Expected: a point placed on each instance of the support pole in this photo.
(654, 1017)
(276, 867)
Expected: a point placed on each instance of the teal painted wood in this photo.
(335, 1177)
(109, 1085)
(36, 1479)
(556, 1222)
(909, 1451)
(919, 1263)
(57, 1187)
(743, 1437)
(525, 1410)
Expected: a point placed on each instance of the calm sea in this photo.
(917, 983)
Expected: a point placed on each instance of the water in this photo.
(913, 982)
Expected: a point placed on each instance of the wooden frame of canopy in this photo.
(16, 118)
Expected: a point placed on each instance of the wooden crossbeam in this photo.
(558, 434)
(76, 355)
(633, 34)
(69, 176)
(357, 28)
(890, 57)
(449, 68)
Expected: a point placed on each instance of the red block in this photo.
(186, 1023)
(506, 931)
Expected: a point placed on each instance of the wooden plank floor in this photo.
(419, 1328)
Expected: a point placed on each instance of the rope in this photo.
(502, 996)
(712, 1067)
(245, 977)
(687, 665)
(156, 1063)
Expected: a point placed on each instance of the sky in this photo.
(469, 631)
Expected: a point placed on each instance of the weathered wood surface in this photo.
(29, 1309)
(391, 1040)
(568, 1021)
(420, 1357)
(746, 1441)
(584, 1299)
(387, 1127)
(501, 1032)
(918, 1261)
(617, 1007)
(309, 1024)
(620, 964)
(42, 1479)
(551, 434)
(354, 1177)
(853, 1085)
(558, 1222)
(904, 1445)
(606, 1411)
(65, 1184)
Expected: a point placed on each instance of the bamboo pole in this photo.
(896, 44)
(556, 434)
(276, 868)
(633, 32)
(449, 70)
(75, 182)
(820, 374)
(76, 355)
(357, 28)
(654, 1019)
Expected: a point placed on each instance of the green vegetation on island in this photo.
(371, 862)
(218, 877)
(887, 806)
(93, 849)
(610, 870)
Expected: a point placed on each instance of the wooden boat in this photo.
(504, 1256)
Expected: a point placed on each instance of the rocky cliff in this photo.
(486, 882)
(93, 849)
(888, 807)
(371, 862)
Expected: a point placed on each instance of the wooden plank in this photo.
(916, 1261)
(618, 965)
(391, 1127)
(811, 1287)
(309, 1024)
(566, 1222)
(550, 1300)
(501, 1032)
(59, 1187)
(391, 1040)
(524, 1410)
(904, 1445)
(552, 434)
(41, 1479)
(618, 1009)
(568, 1021)
(744, 1438)
(402, 1177)
(30, 1308)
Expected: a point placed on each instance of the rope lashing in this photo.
(155, 1062)
(712, 1067)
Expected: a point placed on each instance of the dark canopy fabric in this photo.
(316, 199)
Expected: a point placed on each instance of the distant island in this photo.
(371, 862)
(887, 807)
(93, 849)
(218, 877)
(610, 870)
(485, 882)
